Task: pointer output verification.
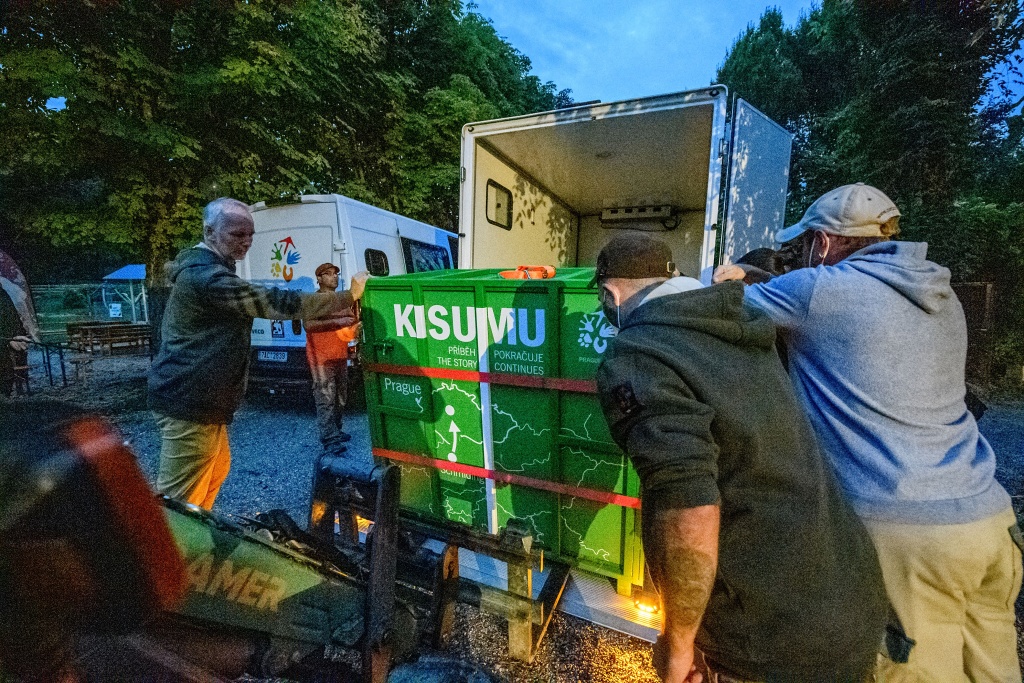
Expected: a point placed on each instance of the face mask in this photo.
(610, 308)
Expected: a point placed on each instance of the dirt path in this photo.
(274, 446)
(1003, 426)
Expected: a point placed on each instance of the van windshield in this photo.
(421, 257)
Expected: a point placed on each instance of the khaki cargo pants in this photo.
(194, 460)
(953, 587)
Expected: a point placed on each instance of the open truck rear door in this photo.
(758, 181)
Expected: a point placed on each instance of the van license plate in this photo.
(278, 356)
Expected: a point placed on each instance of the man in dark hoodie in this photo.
(877, 346)
(199, 375)
(762, 566)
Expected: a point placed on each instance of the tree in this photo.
(762, 65)
(456, 70)
(170, 104)
(912, 97)
(889, 93)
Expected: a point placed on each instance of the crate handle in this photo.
(529, 273)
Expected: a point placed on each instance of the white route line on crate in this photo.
(515, 425)
(450, 386)
(538, 534)
(599, 553)
(586, 431)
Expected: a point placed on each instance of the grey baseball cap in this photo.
(856, 210)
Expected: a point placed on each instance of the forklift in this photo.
(101, 580)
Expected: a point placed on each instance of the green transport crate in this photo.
(481, 389)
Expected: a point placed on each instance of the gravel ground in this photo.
(274, 445)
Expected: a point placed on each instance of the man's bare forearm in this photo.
(329, 324)
(687, 559)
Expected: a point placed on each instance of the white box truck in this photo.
(292, 240)
(553, 188)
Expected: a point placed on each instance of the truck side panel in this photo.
(541, 231)
(370, 242)
(291, 241)
(758, 182)
(385, 243)
(287, 258)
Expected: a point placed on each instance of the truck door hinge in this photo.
(340, 247)
(462, 175)
(723, 147)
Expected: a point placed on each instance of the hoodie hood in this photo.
(193, 257)
(674, 285)
(717, 311)
(904, 267)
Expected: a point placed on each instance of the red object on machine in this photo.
(529, 273)
(84, 545)
(138, 517)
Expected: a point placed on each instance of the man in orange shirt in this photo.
(327, 352)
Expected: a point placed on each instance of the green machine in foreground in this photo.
(482, 390)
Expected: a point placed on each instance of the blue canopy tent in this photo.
(131, 274)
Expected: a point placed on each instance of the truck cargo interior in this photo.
(555, 194)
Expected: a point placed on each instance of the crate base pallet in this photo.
(483, 581)
(586, 596)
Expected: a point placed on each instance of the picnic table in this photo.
(108, 337)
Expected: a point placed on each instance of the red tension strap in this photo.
(582, 386)
(508, 478)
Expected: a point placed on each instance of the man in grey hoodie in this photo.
(877, 346)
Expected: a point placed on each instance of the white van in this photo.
(293, 239)
(552, 188)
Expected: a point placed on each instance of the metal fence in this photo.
(978, 300)
(58, 305)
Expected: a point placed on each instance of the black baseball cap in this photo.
(634, 256)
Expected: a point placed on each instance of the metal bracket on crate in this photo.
(528, 617)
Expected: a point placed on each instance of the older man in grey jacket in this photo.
(199, 376)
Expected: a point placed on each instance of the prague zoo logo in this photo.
(284, 256)
(595, 330)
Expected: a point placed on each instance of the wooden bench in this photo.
(135, 341)
(93, 337)
(82, 336)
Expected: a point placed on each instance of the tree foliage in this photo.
(894, 93)
(912, 97)
(169, 104)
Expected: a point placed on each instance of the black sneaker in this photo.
(344, 437)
